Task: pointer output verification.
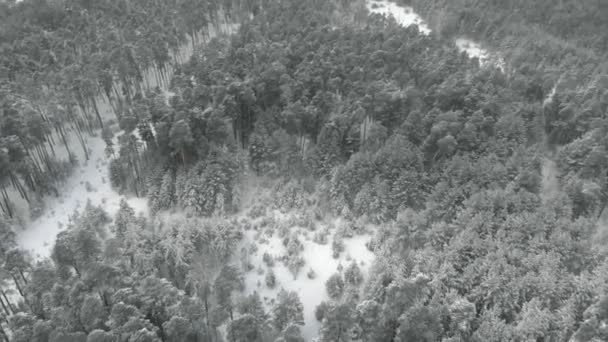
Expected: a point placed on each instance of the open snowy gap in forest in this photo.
(405, 16)
(317, 257)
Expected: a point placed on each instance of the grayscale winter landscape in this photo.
(289, 170)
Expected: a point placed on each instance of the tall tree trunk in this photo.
(103, 298)
(8, 302)
(17, 184)
(3, 334)
(61, 132)
(22, 276)
(96, 109)
(18, 285)
(77, 271)
(82, 143)
(6, 311)
(50, 142)
(7, 206)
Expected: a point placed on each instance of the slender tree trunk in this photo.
(65, 142)
(17, 184)
(96, 109)
(7, 203)
(8, 302)
(18, 286)
(77, 271)
(116, 93)
(6, 311)
(50, 142)
(22, 276)
(206, 302)
(87, 118)
(82, 143)
(103, 298)
(3, 333)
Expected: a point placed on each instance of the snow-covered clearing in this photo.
(474, 50)
(405, 16)
(317, 257)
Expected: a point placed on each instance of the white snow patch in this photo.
(404, 15)
(549, 97)
(474, 50)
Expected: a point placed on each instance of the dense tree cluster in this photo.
(68, 67)
(146, 282)
(569, 20)
(445, 155)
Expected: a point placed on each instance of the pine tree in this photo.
(353, 275)
(166, 196)
(335, 286)
(287, 310)
(337, 323)
(124, 217)
(270, 279)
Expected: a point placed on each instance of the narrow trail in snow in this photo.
(550, 182)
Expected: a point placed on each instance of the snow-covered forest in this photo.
(320, 170)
